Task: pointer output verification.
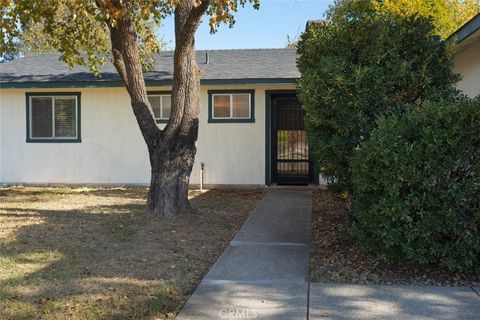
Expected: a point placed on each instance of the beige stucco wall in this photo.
(112, 150)
(467, 64)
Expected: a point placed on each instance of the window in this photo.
(231, 106)
(161, 102)
(53, 117)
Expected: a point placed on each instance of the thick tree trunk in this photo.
(172, 160)
(171, 167)
(172, 151)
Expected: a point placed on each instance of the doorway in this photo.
(290, 153)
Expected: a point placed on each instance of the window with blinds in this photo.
(53, 117)
(161, 104)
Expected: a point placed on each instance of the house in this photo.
(467, 56)
(62, 126)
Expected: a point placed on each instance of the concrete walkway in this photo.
(361, 302)
(261, 275)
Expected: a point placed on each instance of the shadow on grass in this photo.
(34, 193)
(107, 261)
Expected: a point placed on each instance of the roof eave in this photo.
(149, 83)
(466, 30)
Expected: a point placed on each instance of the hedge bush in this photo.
(360, 67)
(416, 186)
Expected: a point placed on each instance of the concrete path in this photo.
(361, 302)
(261, 275)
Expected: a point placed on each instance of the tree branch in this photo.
(185, 92)
(120, 65)
(192, 21)
(126, 59)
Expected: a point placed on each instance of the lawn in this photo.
(93, 253)
(335, 257)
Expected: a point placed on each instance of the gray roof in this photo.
(466, 30)
(225, 66)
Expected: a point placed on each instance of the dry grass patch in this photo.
(93, 253)
(335, 257)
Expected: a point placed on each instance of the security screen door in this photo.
(290, 153)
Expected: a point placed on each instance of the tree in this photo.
(32, 39)
(91, 31)
(363, 65)
(447, 15)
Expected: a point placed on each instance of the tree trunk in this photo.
(173, 160)
(172, 150)
(171, 167)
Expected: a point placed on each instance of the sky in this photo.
(267, 27)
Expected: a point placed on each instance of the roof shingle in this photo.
(253, 64)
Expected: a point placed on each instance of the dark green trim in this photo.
(268, 138)
(160, 92)
(149, 83)
(249, 81)
(53, 140)
(61, 84)
(210, 106)
(466, 30)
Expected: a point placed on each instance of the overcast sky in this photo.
(264, 28)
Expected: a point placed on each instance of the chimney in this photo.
(207, 58)
(320, 22)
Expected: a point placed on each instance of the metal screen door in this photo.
(291, 157)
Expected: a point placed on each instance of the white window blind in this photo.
(53, 117)
(65, 117)
(41, 117)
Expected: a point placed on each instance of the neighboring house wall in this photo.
(467, 63)
(112, 150)
(2, 143)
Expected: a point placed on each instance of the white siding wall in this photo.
(2, 143)
(112, 150)
(467, 63)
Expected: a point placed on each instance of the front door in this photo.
(290, 153)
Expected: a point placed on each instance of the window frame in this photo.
(160, 94)
(30, 139)
(212, 119)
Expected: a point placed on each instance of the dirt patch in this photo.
(335, 257)
(94, 254)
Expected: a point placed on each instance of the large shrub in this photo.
(416, 186)
(362, 65)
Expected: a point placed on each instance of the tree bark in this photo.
(172, 150)
(172, 164)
